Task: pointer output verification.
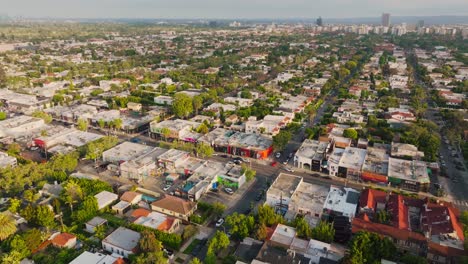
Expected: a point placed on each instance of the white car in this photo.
(288, 169)
(228, 190)
(220, 222)
(167, 187)
(278, 155)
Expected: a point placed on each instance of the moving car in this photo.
(220, 222)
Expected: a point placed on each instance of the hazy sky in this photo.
(229, 8)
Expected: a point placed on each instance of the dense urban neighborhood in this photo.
(232, 142)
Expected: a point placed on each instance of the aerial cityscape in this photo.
(215, 132)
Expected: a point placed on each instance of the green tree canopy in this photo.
(281, 140)
(182, 105)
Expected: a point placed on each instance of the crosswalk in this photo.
(460, 203)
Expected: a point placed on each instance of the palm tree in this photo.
(8, 226)
(72, 193)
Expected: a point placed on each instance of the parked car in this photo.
(224, 156)
(228, 190)
(278, 155)
(288, 169)
(167, 187)
(169, 253)
(274, 164)
(220, 222)
(214, 189)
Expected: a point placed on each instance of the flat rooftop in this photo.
(376, 161)
(126, 151)
(412, 170)
(173, 155)
(123, 238)
(285, 184)
(312, 149)
(343, 200)
(353, 158)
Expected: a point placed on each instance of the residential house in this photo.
(174, 206)
(94, 223)
(122, 241)
(105, 198)
(64, 240)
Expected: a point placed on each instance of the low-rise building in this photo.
(159, 222)
(174, 206)
(6, 160)
(163, 100)
(122, 241)
(143, 165)
(105, 198)
(341, 201)
(403, 150)
(92, 224)
(334, 160)
(351, 162)
(19, 126)
(239, 143)
(281, 191)
(311, 155)
(407, 174)
(175, 129)
(96, 258)
(375, 168)
(124, 152)
(63, 240)
(131, 197)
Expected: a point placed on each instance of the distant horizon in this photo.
(224, 9)
(369, 19)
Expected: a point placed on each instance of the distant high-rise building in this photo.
(420, 24)
(385, 19)
(319, 22)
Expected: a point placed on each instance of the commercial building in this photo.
(307, 200)
(385, 19)
(334, 160)
(124, 152)
(375, 168)
(269, 125)
(281, 191)
(239, 143)
(66, 137)
(311, 155)
(122, 241)
(19, 126)
(409, 175)
(351, 162)
(341, 201)
(143, 165)
(175, 129)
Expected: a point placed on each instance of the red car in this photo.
(274, 163)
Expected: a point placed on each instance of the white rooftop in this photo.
(342, 200)
(123, 238)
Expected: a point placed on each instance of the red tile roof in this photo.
(370, 197)
(166, 225)
(62, 239)
(385, 230)
(175, 204)
(399, 211)
(129, 196)
(140, 212)
(442, 250)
